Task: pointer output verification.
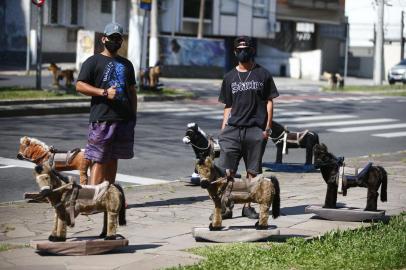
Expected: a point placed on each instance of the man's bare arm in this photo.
(226, 114)
(89, 90)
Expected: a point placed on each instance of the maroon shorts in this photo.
(110, 140)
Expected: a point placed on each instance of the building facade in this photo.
(285, 31)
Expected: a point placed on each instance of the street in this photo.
(350, 125)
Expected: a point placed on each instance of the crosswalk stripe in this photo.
(120, 177)
(343, 123)
(391, 135)
(296, 113)
(367, 128)
(315, 118)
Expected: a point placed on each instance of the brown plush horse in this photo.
(149, 77)
(371, 177)
(34, 150)
(224, 190)
(60, 74)
(70, 199)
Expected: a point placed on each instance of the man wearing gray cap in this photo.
(110, 80)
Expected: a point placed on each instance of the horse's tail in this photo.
(121, 214)
(276, 202)
(316, 138)
(384, 183)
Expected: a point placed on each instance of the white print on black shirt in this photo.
(246, 86)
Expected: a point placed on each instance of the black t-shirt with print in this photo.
(103, 72)
(247, 93)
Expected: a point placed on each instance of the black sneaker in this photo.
(250, 213)
(228, 214)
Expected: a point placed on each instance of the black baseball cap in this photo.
(243, 42)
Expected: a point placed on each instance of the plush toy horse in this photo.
(224, 190)
(69, 199)
(60, 74)
(332, 170)
(34, 150)
(284, 139)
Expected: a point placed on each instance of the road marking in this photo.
(391, 135)
(7, 166)
(316, 118)
(343, 123)
(367, 128)
(138, 180)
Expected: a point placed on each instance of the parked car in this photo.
(397, 73)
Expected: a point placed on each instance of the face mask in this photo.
(244, 56)
(112, 46)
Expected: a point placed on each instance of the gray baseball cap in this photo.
(113, 28)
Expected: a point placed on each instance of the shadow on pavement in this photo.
(185, 200)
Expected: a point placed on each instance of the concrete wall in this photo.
(310, 64)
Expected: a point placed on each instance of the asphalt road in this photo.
(160, 153)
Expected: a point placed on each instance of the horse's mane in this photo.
(34, 141)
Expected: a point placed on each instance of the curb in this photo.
(63, 106)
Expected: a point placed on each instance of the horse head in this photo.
(277, 131)
(201, 143)
(32, 150)
(205, 152)
(44, 179)
(328, 163)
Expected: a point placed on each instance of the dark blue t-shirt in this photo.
(103, 72)
(247, 93)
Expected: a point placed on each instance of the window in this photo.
(106, 6)
(54, 12)
(229, 7)
(191, 8)
(260, 8)
(74, 12)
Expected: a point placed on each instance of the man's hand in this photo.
(266, 133)
(111, 92)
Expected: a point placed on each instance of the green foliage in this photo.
(380, 246)
(165, 92)
(22, 93)
(7, 246)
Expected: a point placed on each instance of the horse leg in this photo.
(54, 229)
(60, 233)
(372, 198)
(217, 219)
(83, 166)
(104, 230)
(331, 196)
(309, 154)
(262, 223)
(279, 153)
(111, 226)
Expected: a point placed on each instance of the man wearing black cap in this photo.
(110, 80)
(247, 92)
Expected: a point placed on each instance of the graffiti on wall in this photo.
(180, 51)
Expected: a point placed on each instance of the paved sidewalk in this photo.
(160, 219)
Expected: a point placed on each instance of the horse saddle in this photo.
(63, 158)
(94, 193)
(356, 180)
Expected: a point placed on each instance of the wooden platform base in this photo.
(233, 234)
(344, 213)
(78, 246)
(288, 167)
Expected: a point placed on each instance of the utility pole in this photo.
(39, 45)
(379, 45)
(113, 10)
(402, 39)
(347, 41)
(201, 20)
(28, 53)
(153, 38)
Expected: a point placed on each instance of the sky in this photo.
(362, 14)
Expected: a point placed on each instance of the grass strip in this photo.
(7, 246)
(380, 246)
(12, 93)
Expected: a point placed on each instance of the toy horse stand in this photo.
(69, 199)
(285, 139)
(338, 182)
(225, 191)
